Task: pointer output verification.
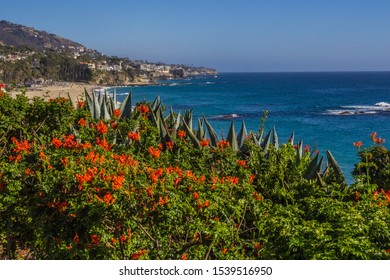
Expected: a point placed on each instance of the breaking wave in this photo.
(377, 108)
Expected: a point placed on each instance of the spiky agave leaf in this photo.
(299, 152)
(232, 138)
(163, 127)
(156, 104)
(275, 140)
(291, 139)
(89, 101)
(103, 108)
(96, 107)
(200, 133)
(191, 134)
(266, 142)
(212, 134)
(311, 169)
(333, 163)
(188, 118)
(242, 135)
(126, 107)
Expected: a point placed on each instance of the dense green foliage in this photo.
(137, 185)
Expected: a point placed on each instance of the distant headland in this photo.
(33, 58)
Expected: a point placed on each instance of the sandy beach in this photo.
(75, 90)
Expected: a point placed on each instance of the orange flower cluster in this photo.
(104, 144)
(136, 256)
(378, 140)
(94, 157)
(231, 179)
(155, 174)
(82, 122)
(223, 144)
(86, 177)
(143, 109)
(117, 181)
(169, 145)
(181, 133)
(69, 141)
(101, 128)
(163, 201)
(241, 162)
(204, 142)
(117, 113)
(56, 142)
(203, 205)
(95, 239)
(109, 199)
(154, 152)
(21, 146)
(135, 136)
(257, 196)
(125, 160)
(195, 195)
(80, 104)
(184, 257)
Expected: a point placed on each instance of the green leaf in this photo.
(212, 134)
(191, 134)
(126, 107)
(242, 135)
(232, 138)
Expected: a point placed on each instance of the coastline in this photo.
(74, 89)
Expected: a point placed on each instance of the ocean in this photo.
(327, 110)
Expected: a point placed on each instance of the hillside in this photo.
(28, 55)
(19, 35)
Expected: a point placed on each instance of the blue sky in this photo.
(231, 36)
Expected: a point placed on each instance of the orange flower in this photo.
(195, 195)
(257, 246)
(22, 146)
(163, 201)
(56, 142)
(82, 122)
(224, 250)
(117, 113)
(143, 109)
(204, 142)
(373, 136)
(307, 149)
(28, 171)
(169, 145)
(42, 155)
(109, 199)
(257, 196)
(136, 256)
(117, 182)
(223, 144)
(358, 144)
(65, 161)
(69, 142)
(241, 162)
(181, 133)
(103, 143)
(154, 152)
(80, 104)
(95, 239)
(101, 127)
(183, 257)
(133, 136)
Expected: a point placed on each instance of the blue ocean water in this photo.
(327, 110)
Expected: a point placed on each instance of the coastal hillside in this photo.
(31, 57)
(17, 35)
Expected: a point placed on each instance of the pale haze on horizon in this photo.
(231, 36)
